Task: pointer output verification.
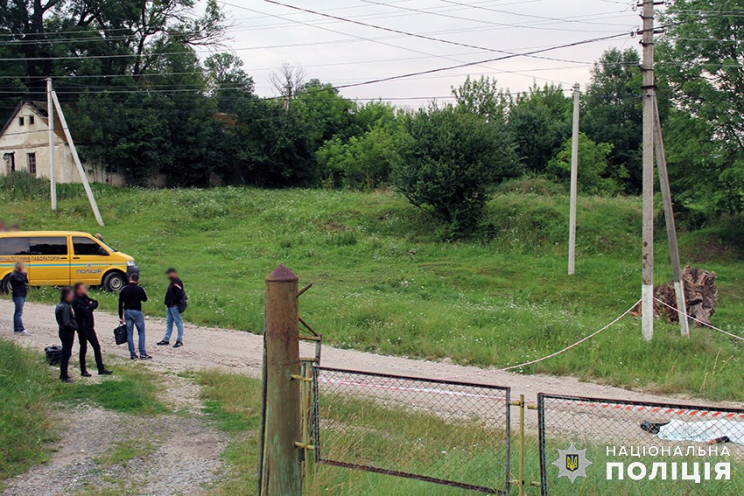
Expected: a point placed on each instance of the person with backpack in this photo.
(130, 313)
(175, 303)
(67, 327)
(84, 307)
(19, 290)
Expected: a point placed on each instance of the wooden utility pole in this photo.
(76, 158)
(280, 458)
(574, 182)
(666, 194)
(649, 89)
(50, 118)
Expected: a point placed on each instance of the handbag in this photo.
(120, 334)
(53, 354)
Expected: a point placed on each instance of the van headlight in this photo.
(130, 263)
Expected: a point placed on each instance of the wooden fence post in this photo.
(280, 470)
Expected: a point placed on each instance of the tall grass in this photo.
(384, 282)
(26, 395)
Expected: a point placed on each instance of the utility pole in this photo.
(287, 96)
(281, 423)
(574, 182)
(50, 118)
(649, 87)
(666, 194)
(76, 159)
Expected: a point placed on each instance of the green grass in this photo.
(125, 451)
(131, 390)
(384, 282)
(26, 393)
(360, 430)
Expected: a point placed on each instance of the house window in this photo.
(20, 121)
(32, 163)
(30, 120)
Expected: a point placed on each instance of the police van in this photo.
(62, 258)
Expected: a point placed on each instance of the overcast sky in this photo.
(265, 35)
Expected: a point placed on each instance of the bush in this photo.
(593, 167)
(449, 160)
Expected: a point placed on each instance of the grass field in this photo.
(360, 430)
(384, 281)
(31, 397)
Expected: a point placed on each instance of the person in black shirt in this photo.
(67, 328)
(130, 313)
(84, 306)
(175, 303)
(19, 290)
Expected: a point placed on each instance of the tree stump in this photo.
(701, 296)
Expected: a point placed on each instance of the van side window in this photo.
(14, 246)
(48, 246)
(86, 246)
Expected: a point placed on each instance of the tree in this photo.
(286, 81)
(539, 121)
(612, 112)
(702, 59)
(449, 160)
(363, 162)
(482, 97)
(227, 81)
(593, 167)
(325, 112)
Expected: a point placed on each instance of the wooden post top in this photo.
(281, 274)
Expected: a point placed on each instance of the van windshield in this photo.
(107, 245)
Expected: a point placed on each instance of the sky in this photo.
(266, 35)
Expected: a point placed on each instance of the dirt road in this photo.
(241, 352)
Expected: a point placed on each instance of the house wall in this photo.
(34, 139)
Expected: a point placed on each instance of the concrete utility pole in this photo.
(666, 194)
(574, 182)
(649, 90)
(76, 159)
(279, 463)
(50, 118)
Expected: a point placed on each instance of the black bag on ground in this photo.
(120, 334)
(53, 354)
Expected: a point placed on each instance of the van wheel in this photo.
(114, 282)
(5, 285)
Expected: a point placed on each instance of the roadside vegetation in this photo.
(385, 281)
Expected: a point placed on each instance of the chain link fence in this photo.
(610, 446)
(444, 432)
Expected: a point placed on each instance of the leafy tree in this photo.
(540, 121)
(363, 162)
(227, 81)
(482, 97)
(593, 167)
(448, 163)
(324, 111)
(612, 113)
(702, 59)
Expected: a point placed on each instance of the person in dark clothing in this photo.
(175, 304)
(67, 327)
(130, 313)
(19, 290)
(84, 307)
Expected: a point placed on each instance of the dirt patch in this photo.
(170, 455)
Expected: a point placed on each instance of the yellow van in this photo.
(61, 258)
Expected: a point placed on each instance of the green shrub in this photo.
(449, 160)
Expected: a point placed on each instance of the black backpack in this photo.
(184, 303)
(53, 354)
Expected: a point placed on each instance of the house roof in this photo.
(40, 108)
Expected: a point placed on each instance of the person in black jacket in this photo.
(175, 304)
(19, 290)
(130, 313)
(67, 327)
(84, 306)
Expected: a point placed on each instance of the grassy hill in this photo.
(385, 281)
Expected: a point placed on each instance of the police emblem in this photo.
(572, 463)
